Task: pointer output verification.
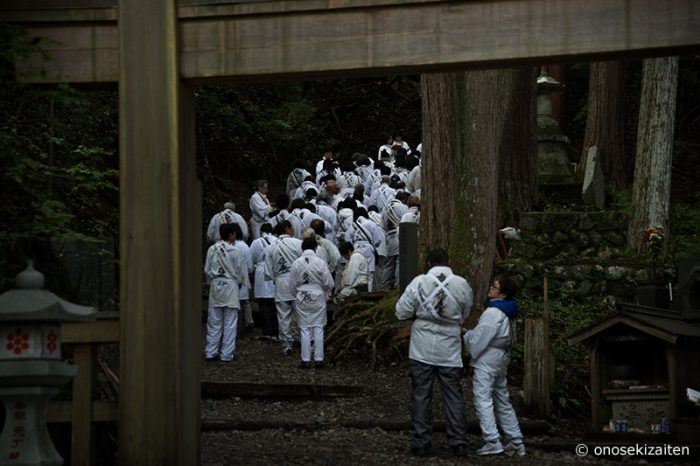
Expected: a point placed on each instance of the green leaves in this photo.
(59, 178)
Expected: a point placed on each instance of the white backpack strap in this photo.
(427, 302)
(286, 256)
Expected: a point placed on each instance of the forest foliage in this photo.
(60, 167)
(59, 162)
(59, 154)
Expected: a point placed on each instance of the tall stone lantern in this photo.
(552, 144)
(31, 370)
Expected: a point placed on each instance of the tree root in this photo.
(367, 325)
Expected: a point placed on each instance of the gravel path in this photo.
(384, 398)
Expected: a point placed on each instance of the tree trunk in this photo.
(652, 171)
(444, 121)
(461, 133)
(517, 120)
(605, 123)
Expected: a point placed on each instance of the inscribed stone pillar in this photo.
(160, 248)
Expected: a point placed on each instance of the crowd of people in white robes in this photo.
(333, 232)
(350, 212)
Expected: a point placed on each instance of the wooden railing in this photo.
(84, 409)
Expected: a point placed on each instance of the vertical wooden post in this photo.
(596, 387)
(82, 448)
(537, 378)
(408, 252)
(160, 245)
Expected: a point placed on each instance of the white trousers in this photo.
(492, 404)
(221, 320)
(254, 230)
(285, 309)
(306, 343)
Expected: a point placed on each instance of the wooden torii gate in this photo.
(158, 50)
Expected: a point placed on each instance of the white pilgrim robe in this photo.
(260, 208)
(225, 216)
(263, 287)
(226, 272)
(312, 284)
(279, 258)
(439, 301)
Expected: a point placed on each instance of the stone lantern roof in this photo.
(547, 84)
(30, 302)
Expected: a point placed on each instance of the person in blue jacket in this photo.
(489, 344)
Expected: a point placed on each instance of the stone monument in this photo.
(553, 163)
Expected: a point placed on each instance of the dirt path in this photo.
(322, 436)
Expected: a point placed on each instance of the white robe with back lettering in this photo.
(439, 301)
(279, 258)
(225, 216)
(226, 272)
(313, 284)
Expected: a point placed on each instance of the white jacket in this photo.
(439, 301)
(343, 221)
(295, 178)
(260, 208)
(226, 271)
(263, 287)
(412, 215)
(489, 342)
(391, 217)
(347, 182)
(413, 183)
(312, 285)
(244, 294)
(225, 216)
(356, 274)
(332, 253)
(367, 238)
(278, 262)
(382, 196)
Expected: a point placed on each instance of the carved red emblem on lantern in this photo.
(51, 341)
(17, 341)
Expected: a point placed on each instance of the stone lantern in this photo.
(553, 160)
(31, 370)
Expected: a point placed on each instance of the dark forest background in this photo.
(59, 149)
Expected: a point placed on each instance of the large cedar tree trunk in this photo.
(605, 123)
(517, 169)
(444, 118)
(458, 202)
(652, 171)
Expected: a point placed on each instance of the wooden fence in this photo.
(84, 409)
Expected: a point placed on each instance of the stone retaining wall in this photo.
(547, 236)
(580, 253)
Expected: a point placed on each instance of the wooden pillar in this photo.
(596, 387)
(558, 72)
(536, 381)
(408, 252)
(82, 438)
(160, 244)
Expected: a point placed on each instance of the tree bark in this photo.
(652, 171)
(461, 134)
(605, 122)
(517, 121)
(444, 121)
